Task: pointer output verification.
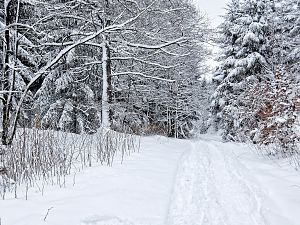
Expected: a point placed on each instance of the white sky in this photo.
(213, 8)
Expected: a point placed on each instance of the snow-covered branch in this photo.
(159, 46)
(7, 92)
(173, 54)
(143, 75)
(143, 61)
(16, 25)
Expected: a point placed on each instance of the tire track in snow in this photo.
(213, 188)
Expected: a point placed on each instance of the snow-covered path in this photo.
(170, 182)
(213, 188)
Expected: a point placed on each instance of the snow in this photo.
(280, 120)
(214, 188)
(249, 38)
(170, 182)
(278, 181)
(255, 27)
(137, 190)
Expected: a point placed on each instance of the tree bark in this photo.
(5, 75)
(106, 73)
(106, 84)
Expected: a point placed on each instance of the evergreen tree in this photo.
(258, 96)
(245, 34)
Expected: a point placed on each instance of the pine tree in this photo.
(265, 106)
(271, 106)
(290, 17)
(245, 41)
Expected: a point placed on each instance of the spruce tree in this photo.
(245, 42)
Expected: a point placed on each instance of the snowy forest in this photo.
(257, 84)
(125, 65)
(89, 82)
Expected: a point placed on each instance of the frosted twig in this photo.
(48, 213)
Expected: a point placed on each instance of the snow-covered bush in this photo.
(39, 157)
(276, 113)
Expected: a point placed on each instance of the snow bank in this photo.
(277, 178)
(137, 190)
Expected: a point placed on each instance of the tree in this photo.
(84, 51)
(18, 63)
(263, 106)
(164, 102)
(275, 111)
(11, 123)
(245, 33)
(150, 51)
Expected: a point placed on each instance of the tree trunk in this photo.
(106, 84)
(5, 76)
(106, 73)
(10, 51)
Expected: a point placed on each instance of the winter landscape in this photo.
(149, 112)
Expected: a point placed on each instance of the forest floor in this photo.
(170, 182)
